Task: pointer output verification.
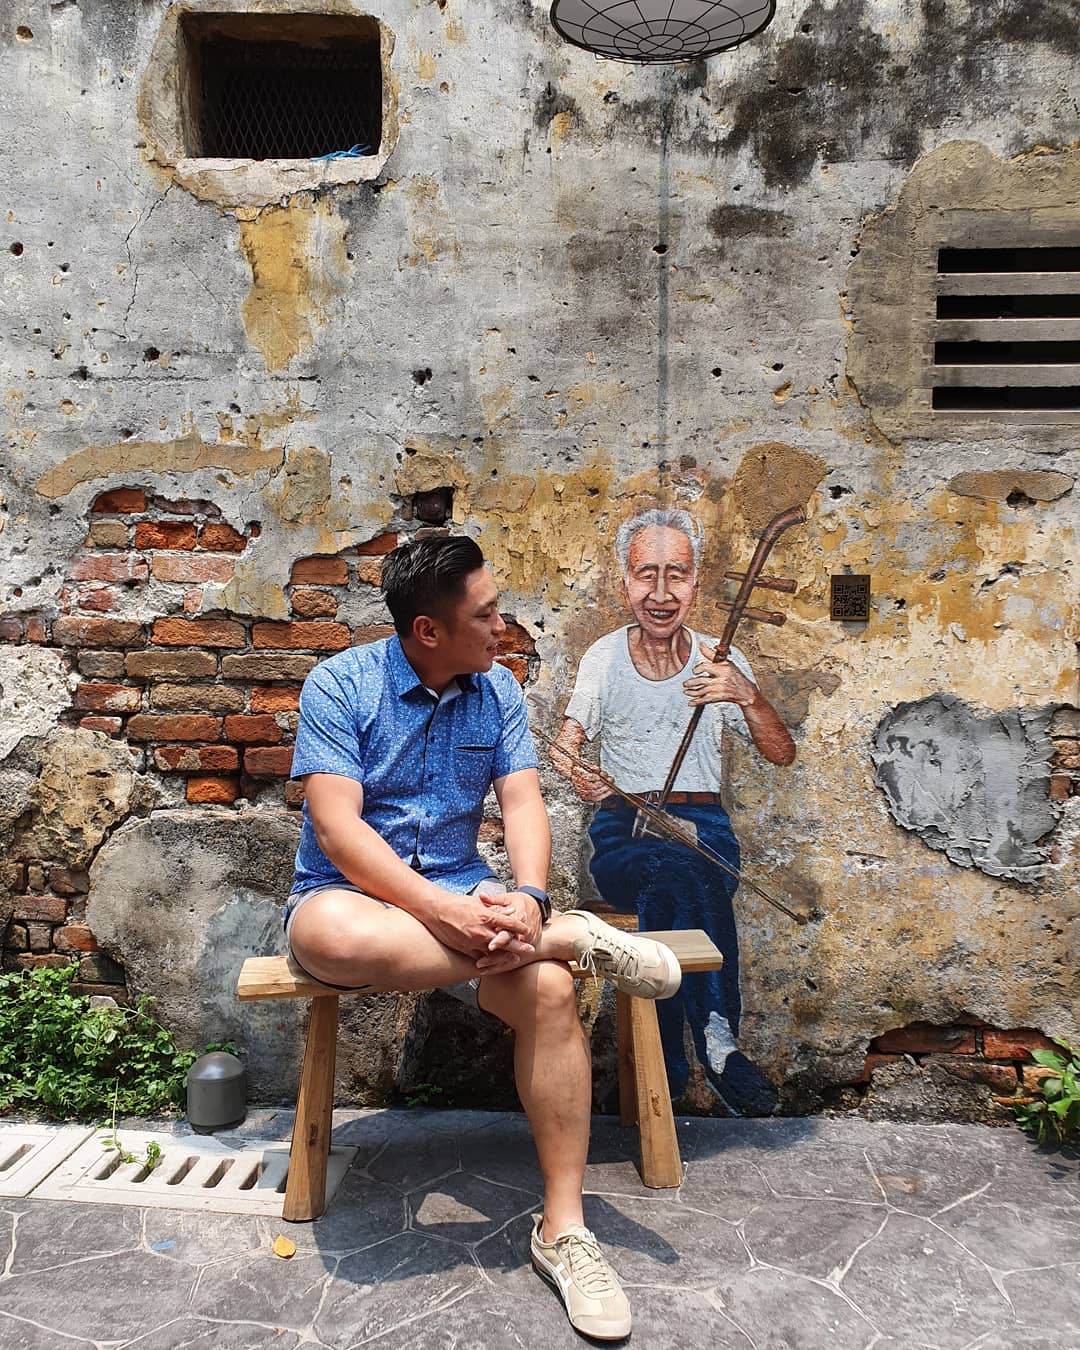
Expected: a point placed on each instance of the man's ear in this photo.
(425, 631)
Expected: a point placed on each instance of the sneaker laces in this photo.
(621, 956)
(590, 1271)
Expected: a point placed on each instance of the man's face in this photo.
(659, 584)
(471, 632)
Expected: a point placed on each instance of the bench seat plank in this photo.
(280, 976)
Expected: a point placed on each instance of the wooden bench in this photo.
(643, 1090)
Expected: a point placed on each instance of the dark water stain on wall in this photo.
(974, 785)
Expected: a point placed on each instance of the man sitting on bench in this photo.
(398, 744)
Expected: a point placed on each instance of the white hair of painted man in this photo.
(659, 518)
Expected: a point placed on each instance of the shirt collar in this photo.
(406, 680)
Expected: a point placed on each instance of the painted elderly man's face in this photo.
(659, 584)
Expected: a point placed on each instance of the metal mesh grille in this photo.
(282, 100)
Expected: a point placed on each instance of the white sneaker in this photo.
(636, 965)
(589, 1288)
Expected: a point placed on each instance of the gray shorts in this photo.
(465, 992)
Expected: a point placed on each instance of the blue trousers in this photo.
(670, 886)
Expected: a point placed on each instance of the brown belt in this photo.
(674, 799)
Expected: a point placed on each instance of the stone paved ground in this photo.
(814, 1234)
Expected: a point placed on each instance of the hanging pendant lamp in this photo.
(659, 31)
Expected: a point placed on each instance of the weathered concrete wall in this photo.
(574, 290)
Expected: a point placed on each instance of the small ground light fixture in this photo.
(655, 32)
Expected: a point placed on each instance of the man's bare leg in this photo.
(553, 1072)
(349, 939)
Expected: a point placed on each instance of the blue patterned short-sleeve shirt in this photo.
(425, 763)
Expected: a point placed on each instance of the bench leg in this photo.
(625, 1053)
(661, 1164)
(305, 1190)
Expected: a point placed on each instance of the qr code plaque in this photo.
(849, 598)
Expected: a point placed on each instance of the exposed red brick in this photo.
(193, 600)
(190, 665)
(256, 666)
(924, 1038)
(221, 538)
(184, 567)
(108, 534)
(516, 639)
(272, 699)
(100, 969)
(320, 637)
(1033, 1074)
(75, 937)
(1068, 755)
(35, 877)
(108, 567)
(1060, 787)
(314, 604)
(269, 761)
(371, 632)
(198, 633)
(1016, 1044)
(109, 725)
(320, 572)
(152, 727)
(517, 665)
(197, 758)
(68, 880)
(115, 991)
(11, 630)
(381, 544)
(101, 665)
(369, 571)
(120, 501)
(77, 632)
(39, 909)
(1001, 1077)
(109, 698)
(294, 793)
(221, 791)
(98, 598)
(172, 534)
(36, 630)
(261, 730)
(39, 937)
(53, 959)
(215, 698)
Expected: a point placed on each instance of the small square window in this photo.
(287, 86)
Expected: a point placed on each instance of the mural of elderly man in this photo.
(634, 691)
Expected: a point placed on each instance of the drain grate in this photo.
(28, 1153)
(195, 1172)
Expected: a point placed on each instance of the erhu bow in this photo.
(665, 825)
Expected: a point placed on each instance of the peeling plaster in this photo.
(971, 784)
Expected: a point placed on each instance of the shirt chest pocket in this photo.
(472, 768)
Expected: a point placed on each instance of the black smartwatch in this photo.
(541, 898)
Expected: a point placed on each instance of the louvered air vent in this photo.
(1007, 333)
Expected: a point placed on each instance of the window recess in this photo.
(1006, 333)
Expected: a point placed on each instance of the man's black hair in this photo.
(427, 576)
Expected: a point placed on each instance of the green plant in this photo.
(1052, 1108)
(423, 1094)
(70, 1060)
(112, 1141)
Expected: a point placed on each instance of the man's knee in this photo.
(542, 991)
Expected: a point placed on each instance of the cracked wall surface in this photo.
(573, 290)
